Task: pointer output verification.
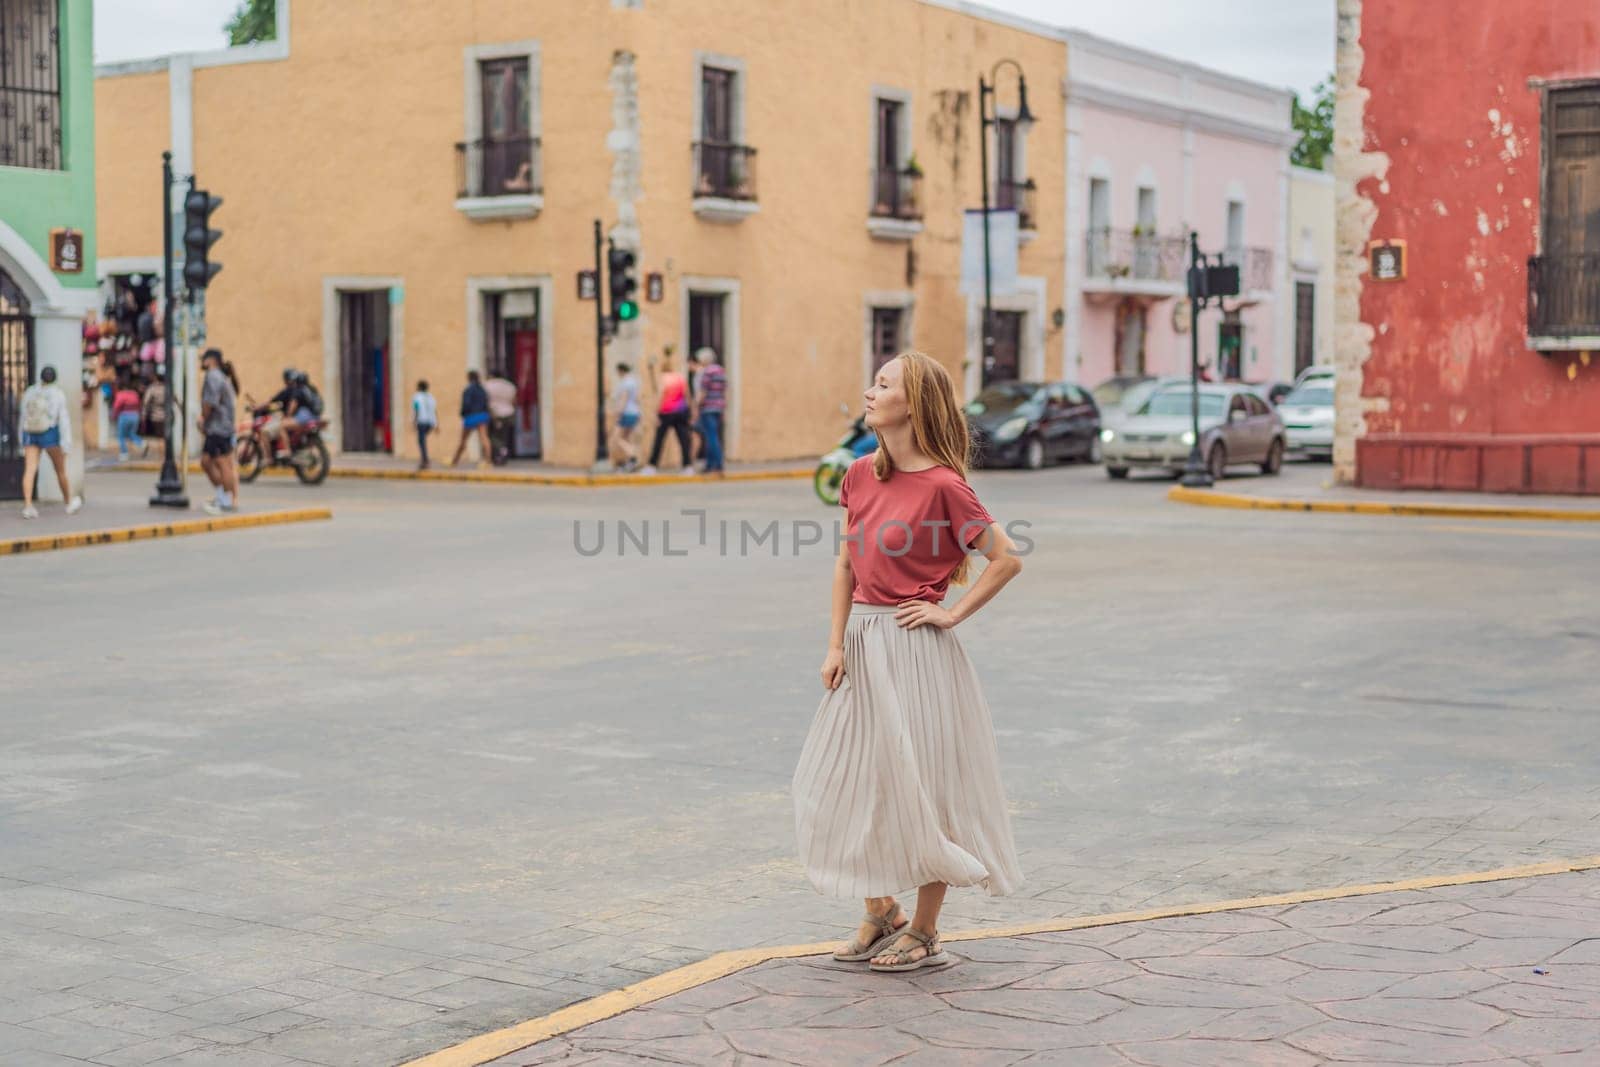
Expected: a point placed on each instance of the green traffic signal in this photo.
(627, 311)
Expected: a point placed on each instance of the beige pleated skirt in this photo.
(899, 782)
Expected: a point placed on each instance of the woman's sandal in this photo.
(856, 952)
(934, 953)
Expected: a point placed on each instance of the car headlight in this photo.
(1187, 437)
(1108, 436)
(1012, 428)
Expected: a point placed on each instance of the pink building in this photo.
(1157, 147)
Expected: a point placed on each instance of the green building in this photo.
(47, 232)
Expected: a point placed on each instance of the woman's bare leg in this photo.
(30, 470)
(58, 459)
(867, 933)
(930, 899)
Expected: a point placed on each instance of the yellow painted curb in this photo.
(1210, 498)
(486, 1047)
(51, 542)
(499, 477)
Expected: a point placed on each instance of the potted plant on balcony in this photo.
(913, 168)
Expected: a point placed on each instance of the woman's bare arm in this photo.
(844, 584)
(1004, 564)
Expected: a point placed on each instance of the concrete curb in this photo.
(1210, 498)
(52, 542)
(486, 1047)
(499, 477)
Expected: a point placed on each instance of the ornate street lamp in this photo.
(1024, 119)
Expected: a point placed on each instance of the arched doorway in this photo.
(16, 373)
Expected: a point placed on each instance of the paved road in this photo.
(352, 791)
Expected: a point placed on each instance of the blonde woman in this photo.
(899, 781)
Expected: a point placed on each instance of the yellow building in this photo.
(410, 191)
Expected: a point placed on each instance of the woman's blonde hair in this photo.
(938, 426)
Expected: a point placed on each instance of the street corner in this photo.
(1435, 970)
(52, 541)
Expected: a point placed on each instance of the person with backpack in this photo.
(46, 428)
(425, 417)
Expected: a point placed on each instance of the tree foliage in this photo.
(253, 20)
(1314, 124)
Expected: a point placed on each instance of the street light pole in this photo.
(1195, 473)
(600, 451)
(986, 92)
(169, 487)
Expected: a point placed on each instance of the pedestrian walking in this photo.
(153, 418)
(218, 400)
(898, 784)
(624, 405)
(474, 418)
(502, 416)
(710, 392)
(425, 417)
(125, 408)
(45, 429)
(672, 413)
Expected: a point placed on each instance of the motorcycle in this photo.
(308, 455)
(858, 441)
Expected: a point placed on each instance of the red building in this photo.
(1468, 158)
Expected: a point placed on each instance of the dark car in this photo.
(1029, 424)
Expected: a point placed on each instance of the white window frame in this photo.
(901, 300)
(885, 229)
(728, 289)
(509, 206)
(1030, 297)
(716, 208)
(332, 367)
(544, 289)
(1019, 163)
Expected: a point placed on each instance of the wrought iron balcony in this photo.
(897, 194)
(724, 171)
(1018, 197)
(502, 166)
(1255, 268)
(1133, 254)
(1564, 296)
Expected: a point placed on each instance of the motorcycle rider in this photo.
(293, 401)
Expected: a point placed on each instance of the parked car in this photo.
(1312, 373)
(1028, 424)
(1237, 425)
(1308, 418)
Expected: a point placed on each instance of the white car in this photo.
(1307, 415)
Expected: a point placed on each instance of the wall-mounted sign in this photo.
(588, 284)
(655, 287)
(1180, 315)
(66, 251)
(1387, 260)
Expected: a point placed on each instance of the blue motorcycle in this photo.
(857, 442)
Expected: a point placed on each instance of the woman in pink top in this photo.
(899, 781)
(672, 414)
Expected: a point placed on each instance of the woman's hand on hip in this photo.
(833, 668)
(914, 613)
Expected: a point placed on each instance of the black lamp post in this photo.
(1024, 119)
(1209, 279)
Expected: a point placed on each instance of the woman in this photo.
(625, 405)
(672, 413)
(899, 781)
(153, 424)
(125, 407)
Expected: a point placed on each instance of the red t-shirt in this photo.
(674, 393)
(907, 529)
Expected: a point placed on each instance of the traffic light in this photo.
(624, 286)
(198, 237)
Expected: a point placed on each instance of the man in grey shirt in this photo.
(217, 402)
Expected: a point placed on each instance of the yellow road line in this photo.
(503, 477)
(1211, 498)
(82, 539)
(486, 1047)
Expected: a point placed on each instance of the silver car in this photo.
(1236, 426)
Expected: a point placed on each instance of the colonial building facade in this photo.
(1157, 148)
(1468, 165)
(412, 198)
(47, 214)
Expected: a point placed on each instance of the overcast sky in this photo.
(1280, 42)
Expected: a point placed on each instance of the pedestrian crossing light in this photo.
(198, 237)
(624, 286)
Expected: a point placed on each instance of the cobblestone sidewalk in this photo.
(1504, 972)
